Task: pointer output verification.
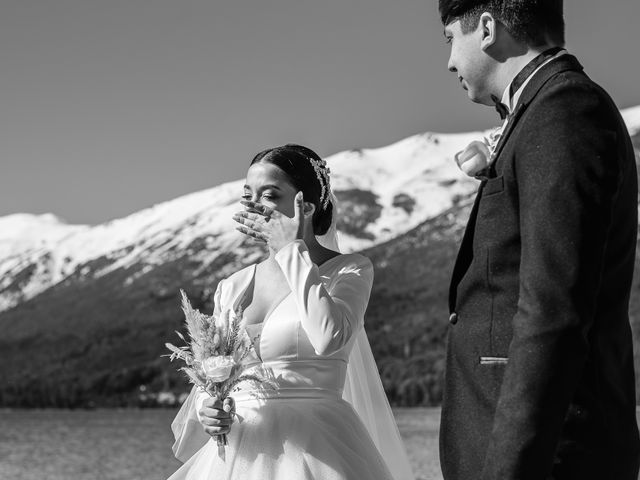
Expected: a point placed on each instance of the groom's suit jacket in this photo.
(540, 379)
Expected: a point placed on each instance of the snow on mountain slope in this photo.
(383, 193)
(37, 252)
(19, 232)
(631, 117)
(412, 180)
(44, 252)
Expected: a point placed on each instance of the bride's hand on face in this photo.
(270, 226)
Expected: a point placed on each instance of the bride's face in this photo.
(269, 185)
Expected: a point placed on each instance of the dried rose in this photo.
(218, 369)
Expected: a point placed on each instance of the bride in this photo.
(328, 418)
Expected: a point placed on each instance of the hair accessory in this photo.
(322, 172)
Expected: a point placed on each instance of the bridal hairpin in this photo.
(322, 172)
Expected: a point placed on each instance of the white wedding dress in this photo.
(304, 429)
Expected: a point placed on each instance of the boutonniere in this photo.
(476, 159)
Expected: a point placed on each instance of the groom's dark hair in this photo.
(534, 22)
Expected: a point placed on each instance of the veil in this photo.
(363, 387)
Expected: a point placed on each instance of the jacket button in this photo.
(453, 318)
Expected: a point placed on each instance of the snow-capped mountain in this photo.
(93, 306)
(383, 193)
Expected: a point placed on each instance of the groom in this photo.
(539, 382)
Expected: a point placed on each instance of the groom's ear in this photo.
(489, 30)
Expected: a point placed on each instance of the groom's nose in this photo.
(451, 66)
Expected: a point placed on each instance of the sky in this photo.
(111, 106)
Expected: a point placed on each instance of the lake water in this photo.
(136, 444)
(86, 445)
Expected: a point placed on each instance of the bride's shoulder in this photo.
(240, 274)
(236, 278)
(349, 268)
(349, 261)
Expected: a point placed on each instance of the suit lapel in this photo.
(540, 78)
(465, 254)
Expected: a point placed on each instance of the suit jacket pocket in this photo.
(493, 186)
(493, 360)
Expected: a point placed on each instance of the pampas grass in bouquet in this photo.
(215, 355)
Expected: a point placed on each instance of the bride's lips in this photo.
(461, 80)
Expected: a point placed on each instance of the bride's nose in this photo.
(255, 199)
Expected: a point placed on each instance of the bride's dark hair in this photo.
(295, 162)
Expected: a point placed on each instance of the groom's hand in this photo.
(216, 416)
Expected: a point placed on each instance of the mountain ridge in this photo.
(93, 334)
(383, 192)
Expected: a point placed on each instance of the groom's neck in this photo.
(512, 64)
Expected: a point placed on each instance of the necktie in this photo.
(521, 77)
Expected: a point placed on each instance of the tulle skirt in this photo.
(291, 438)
